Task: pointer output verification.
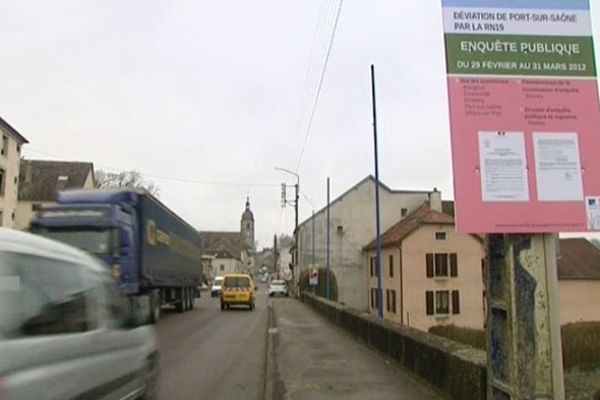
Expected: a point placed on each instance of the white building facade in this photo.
(352, 226)
(10, 158)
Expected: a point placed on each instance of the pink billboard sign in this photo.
(524, 116)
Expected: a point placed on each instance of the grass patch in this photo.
(581, 344)
(472, 337)
(580, 341)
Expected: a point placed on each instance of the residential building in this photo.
(352, 225)
(229, 252)
(10, 158)
(578, 281)
(430, 274)
(41, 180)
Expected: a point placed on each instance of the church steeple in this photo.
(247, 226)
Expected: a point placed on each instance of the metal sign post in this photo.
(525, 123)
(523, 328)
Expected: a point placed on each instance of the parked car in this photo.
(238, 289)
(215, 289)
(66, 331)
(278, 288)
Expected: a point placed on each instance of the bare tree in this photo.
(125, 179)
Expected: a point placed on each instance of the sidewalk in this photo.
(312, 360)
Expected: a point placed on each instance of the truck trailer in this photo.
(152, 253)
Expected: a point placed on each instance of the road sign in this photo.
(524, 115)
(313, 275)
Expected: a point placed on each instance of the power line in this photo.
(320, 86)
(310, 67)
(169, 178)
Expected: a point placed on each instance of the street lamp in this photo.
(295, 203)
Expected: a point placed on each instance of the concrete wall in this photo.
(354, 214)
(454, 370)
(9, 162)
(579, 301)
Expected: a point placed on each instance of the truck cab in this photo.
(104, 226)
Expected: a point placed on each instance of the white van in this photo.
(66, 332)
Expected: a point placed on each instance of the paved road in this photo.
(211, 354)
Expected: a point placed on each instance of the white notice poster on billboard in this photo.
(558, 166)
(503, 166)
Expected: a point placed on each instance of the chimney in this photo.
(61, 183)
(435, 200)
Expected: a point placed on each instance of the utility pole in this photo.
(328, 222)
(377, 217)
(284, 202)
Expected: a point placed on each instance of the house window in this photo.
(36, 207)
(441, 264)
(453, 265)
(4, 149)
(13, 216)
(374, 299)
(2, 181)
(455, 302)
(372, 260)
(437, 264)
(404, 212)
(391, 266)
(387, 300)
(438, 303)
(222, 267)
(442, 302)
(16, 180)
(390, 300)
(440, 236)
(429, 303)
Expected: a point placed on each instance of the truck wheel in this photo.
(192, 298)
(154, 308)
(180, 305)
(188, 299)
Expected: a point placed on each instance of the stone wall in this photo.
(454, 370)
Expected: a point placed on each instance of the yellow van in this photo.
(238, 289)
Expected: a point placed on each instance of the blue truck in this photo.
(153, 254)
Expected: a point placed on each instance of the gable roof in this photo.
(222, 244)
(578, 260)
(368, 178)
(421, 216)
(8, 127)
(40, 180)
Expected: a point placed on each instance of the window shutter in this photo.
(455, 302)
(453, 265)
(429, 303)
(429, 263)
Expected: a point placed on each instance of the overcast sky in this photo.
(217, 91)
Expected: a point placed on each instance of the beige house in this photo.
(431, 275)
(10, 158)
(352, 224)
(40, 182)
(578, 281)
